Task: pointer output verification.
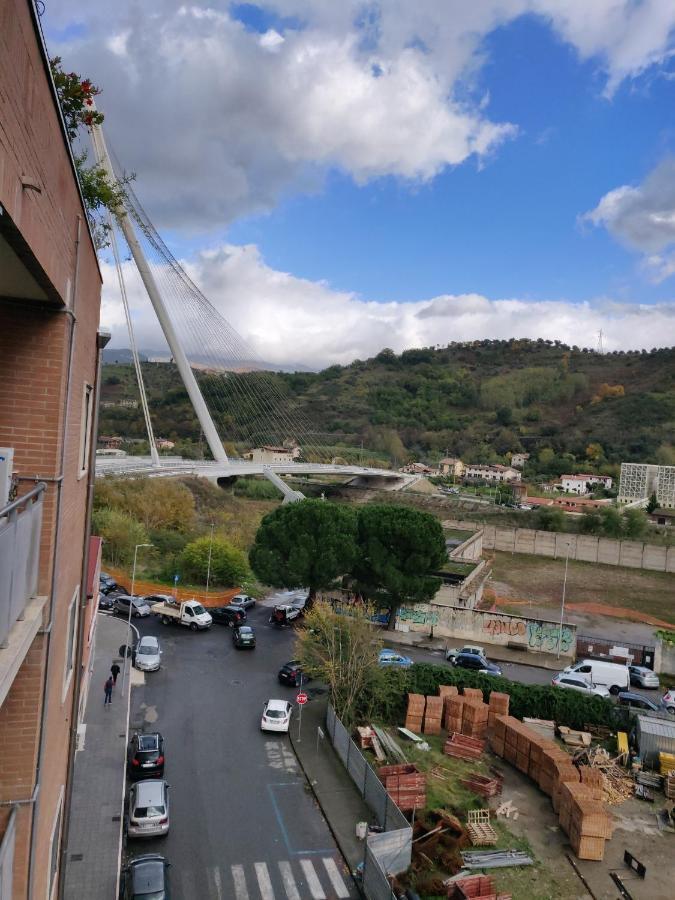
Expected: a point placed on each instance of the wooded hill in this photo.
(480, 401)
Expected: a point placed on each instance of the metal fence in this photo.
(601, 648)
(387, 853)
(20, 527)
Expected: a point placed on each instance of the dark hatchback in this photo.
(146, 877)
(291, 673)
(228, 615)
(243, 636)
(145, 756)
(476, 663)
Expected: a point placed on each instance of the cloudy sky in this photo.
(340, 177)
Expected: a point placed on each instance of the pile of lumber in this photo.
(433, 715)
(463, 747)
(481, 833)
(405, 784)
(482, 784)
(475, 887)
(368, 740)
(415, 713)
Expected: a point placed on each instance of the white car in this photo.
(149, 808)
(276, 716)
(148, 655)
(668, 700)
(577, 683)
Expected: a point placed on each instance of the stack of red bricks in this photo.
(474, 718)
(454, 707)
(475, 887)
(463, 747)
(405, 784)
(415, 714)
(433, 714)
(498, 705)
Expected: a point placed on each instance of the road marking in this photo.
(264, 883)
(313, 882)
(217, 883)
(339, 886)
(239, 879)
(289, 881)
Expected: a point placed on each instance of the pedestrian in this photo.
(108, 686)
(115, 669)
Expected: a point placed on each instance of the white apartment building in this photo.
(638, 481)
(492, 473)
(578, 484)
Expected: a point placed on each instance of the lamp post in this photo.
(562, 603)
(131, 606)
(208, 566)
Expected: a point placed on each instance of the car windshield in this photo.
(198, 609)
(145, 812)
(147, 649)
(138, 601)
(148, 742)
(245, 631)
(275, 714)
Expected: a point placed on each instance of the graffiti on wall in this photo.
(545, 636)
(417, 615)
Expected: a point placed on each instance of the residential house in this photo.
(110, 442)
(272, 455)
(579, 484)
(665, 517)
(164, 444)
(518, 460)
(418, 468)
(50, 287)
(451, 466)
(493, 473)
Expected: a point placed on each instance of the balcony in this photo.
(20, 607)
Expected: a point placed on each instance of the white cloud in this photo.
(643, 218)
(290, 320)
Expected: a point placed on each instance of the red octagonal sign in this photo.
(302, 698)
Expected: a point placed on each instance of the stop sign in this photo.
(301, 698)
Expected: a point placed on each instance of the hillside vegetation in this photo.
(480, 401)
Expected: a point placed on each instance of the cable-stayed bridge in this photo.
(236, 399)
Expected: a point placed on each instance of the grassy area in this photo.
(457, 534)
(456, 568)
(535, 579)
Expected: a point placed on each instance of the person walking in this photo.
(108, 686)
(115, 670)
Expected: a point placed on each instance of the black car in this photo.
(145, 756)
(146, 876)
(243, 636)
(107, 585)
(476, 663)
(228, 615)
(291, 673)
(104, 602)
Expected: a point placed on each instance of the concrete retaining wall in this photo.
(469, 626)
(664, 658)
(582, 547)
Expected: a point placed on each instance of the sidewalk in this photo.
(336, 794)
(96, 816)
(495, 652)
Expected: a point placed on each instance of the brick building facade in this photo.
(50, 289)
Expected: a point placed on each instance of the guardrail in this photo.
(20, 528)
(390, 852)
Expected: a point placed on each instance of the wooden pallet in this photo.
(482, 835)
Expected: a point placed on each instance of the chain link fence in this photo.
(387, 853)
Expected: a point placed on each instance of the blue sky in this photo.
(338, 173)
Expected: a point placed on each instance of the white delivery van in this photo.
(614, 676)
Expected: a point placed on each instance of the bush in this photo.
(228, 566)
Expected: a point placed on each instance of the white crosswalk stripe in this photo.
(313, 882)
(239, 878)
(264, 882)
(215, 885)
(288, 880)
(339, 886)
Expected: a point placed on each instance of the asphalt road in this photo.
(244, 823)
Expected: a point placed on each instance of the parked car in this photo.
(151, 599)
(148, 808)
(394, 659)
(146, 877)
(243, 601)
(276, 716)
(243, 636)
(147, 654)
(668, 701)
(104, 602)
(145, 755)
(637, 701)
(291, 673)
(452, 652)
(614, 676)
(228, 615)
(643, 677)
(106, 583)
(139, 608)
(578, 683)
(477, 663)
(188, 613)
(285, 614)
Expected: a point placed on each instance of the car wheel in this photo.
(193, 626)
(166, 620)
(671, 710)
(614, 690)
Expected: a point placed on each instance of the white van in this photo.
(614, 676)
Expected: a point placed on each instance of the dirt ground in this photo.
(532, 584)
(635, 830)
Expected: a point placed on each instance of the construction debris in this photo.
(574, 738)
(650, 779)
(389, 745)
(495, 859)
(368, 740)
(508, 810)
(481, 784)
(462, 747)
(669, 786)
(405, 784)
(474, 887)
(544, 727)
(481, 833)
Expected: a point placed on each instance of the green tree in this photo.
(309, 544)
(340, 651)
(550, 518)
(590, 522)
(504, 415)
(653, 503)
(228, 565)
(612, 525)
(634, 523)
(120, 533)
(399, 550)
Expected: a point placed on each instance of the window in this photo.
(55, 848)
(85, 428)
(71, 642)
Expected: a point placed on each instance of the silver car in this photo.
(243, 601)
(643, 677)
(148, 655)
(149, 808)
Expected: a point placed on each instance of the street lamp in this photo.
(208, 567)
(131, 605)
(562, 603)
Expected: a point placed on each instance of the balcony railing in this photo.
(20, 527)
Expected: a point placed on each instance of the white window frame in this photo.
(85, 429)
(71, 646)
(53, 880)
